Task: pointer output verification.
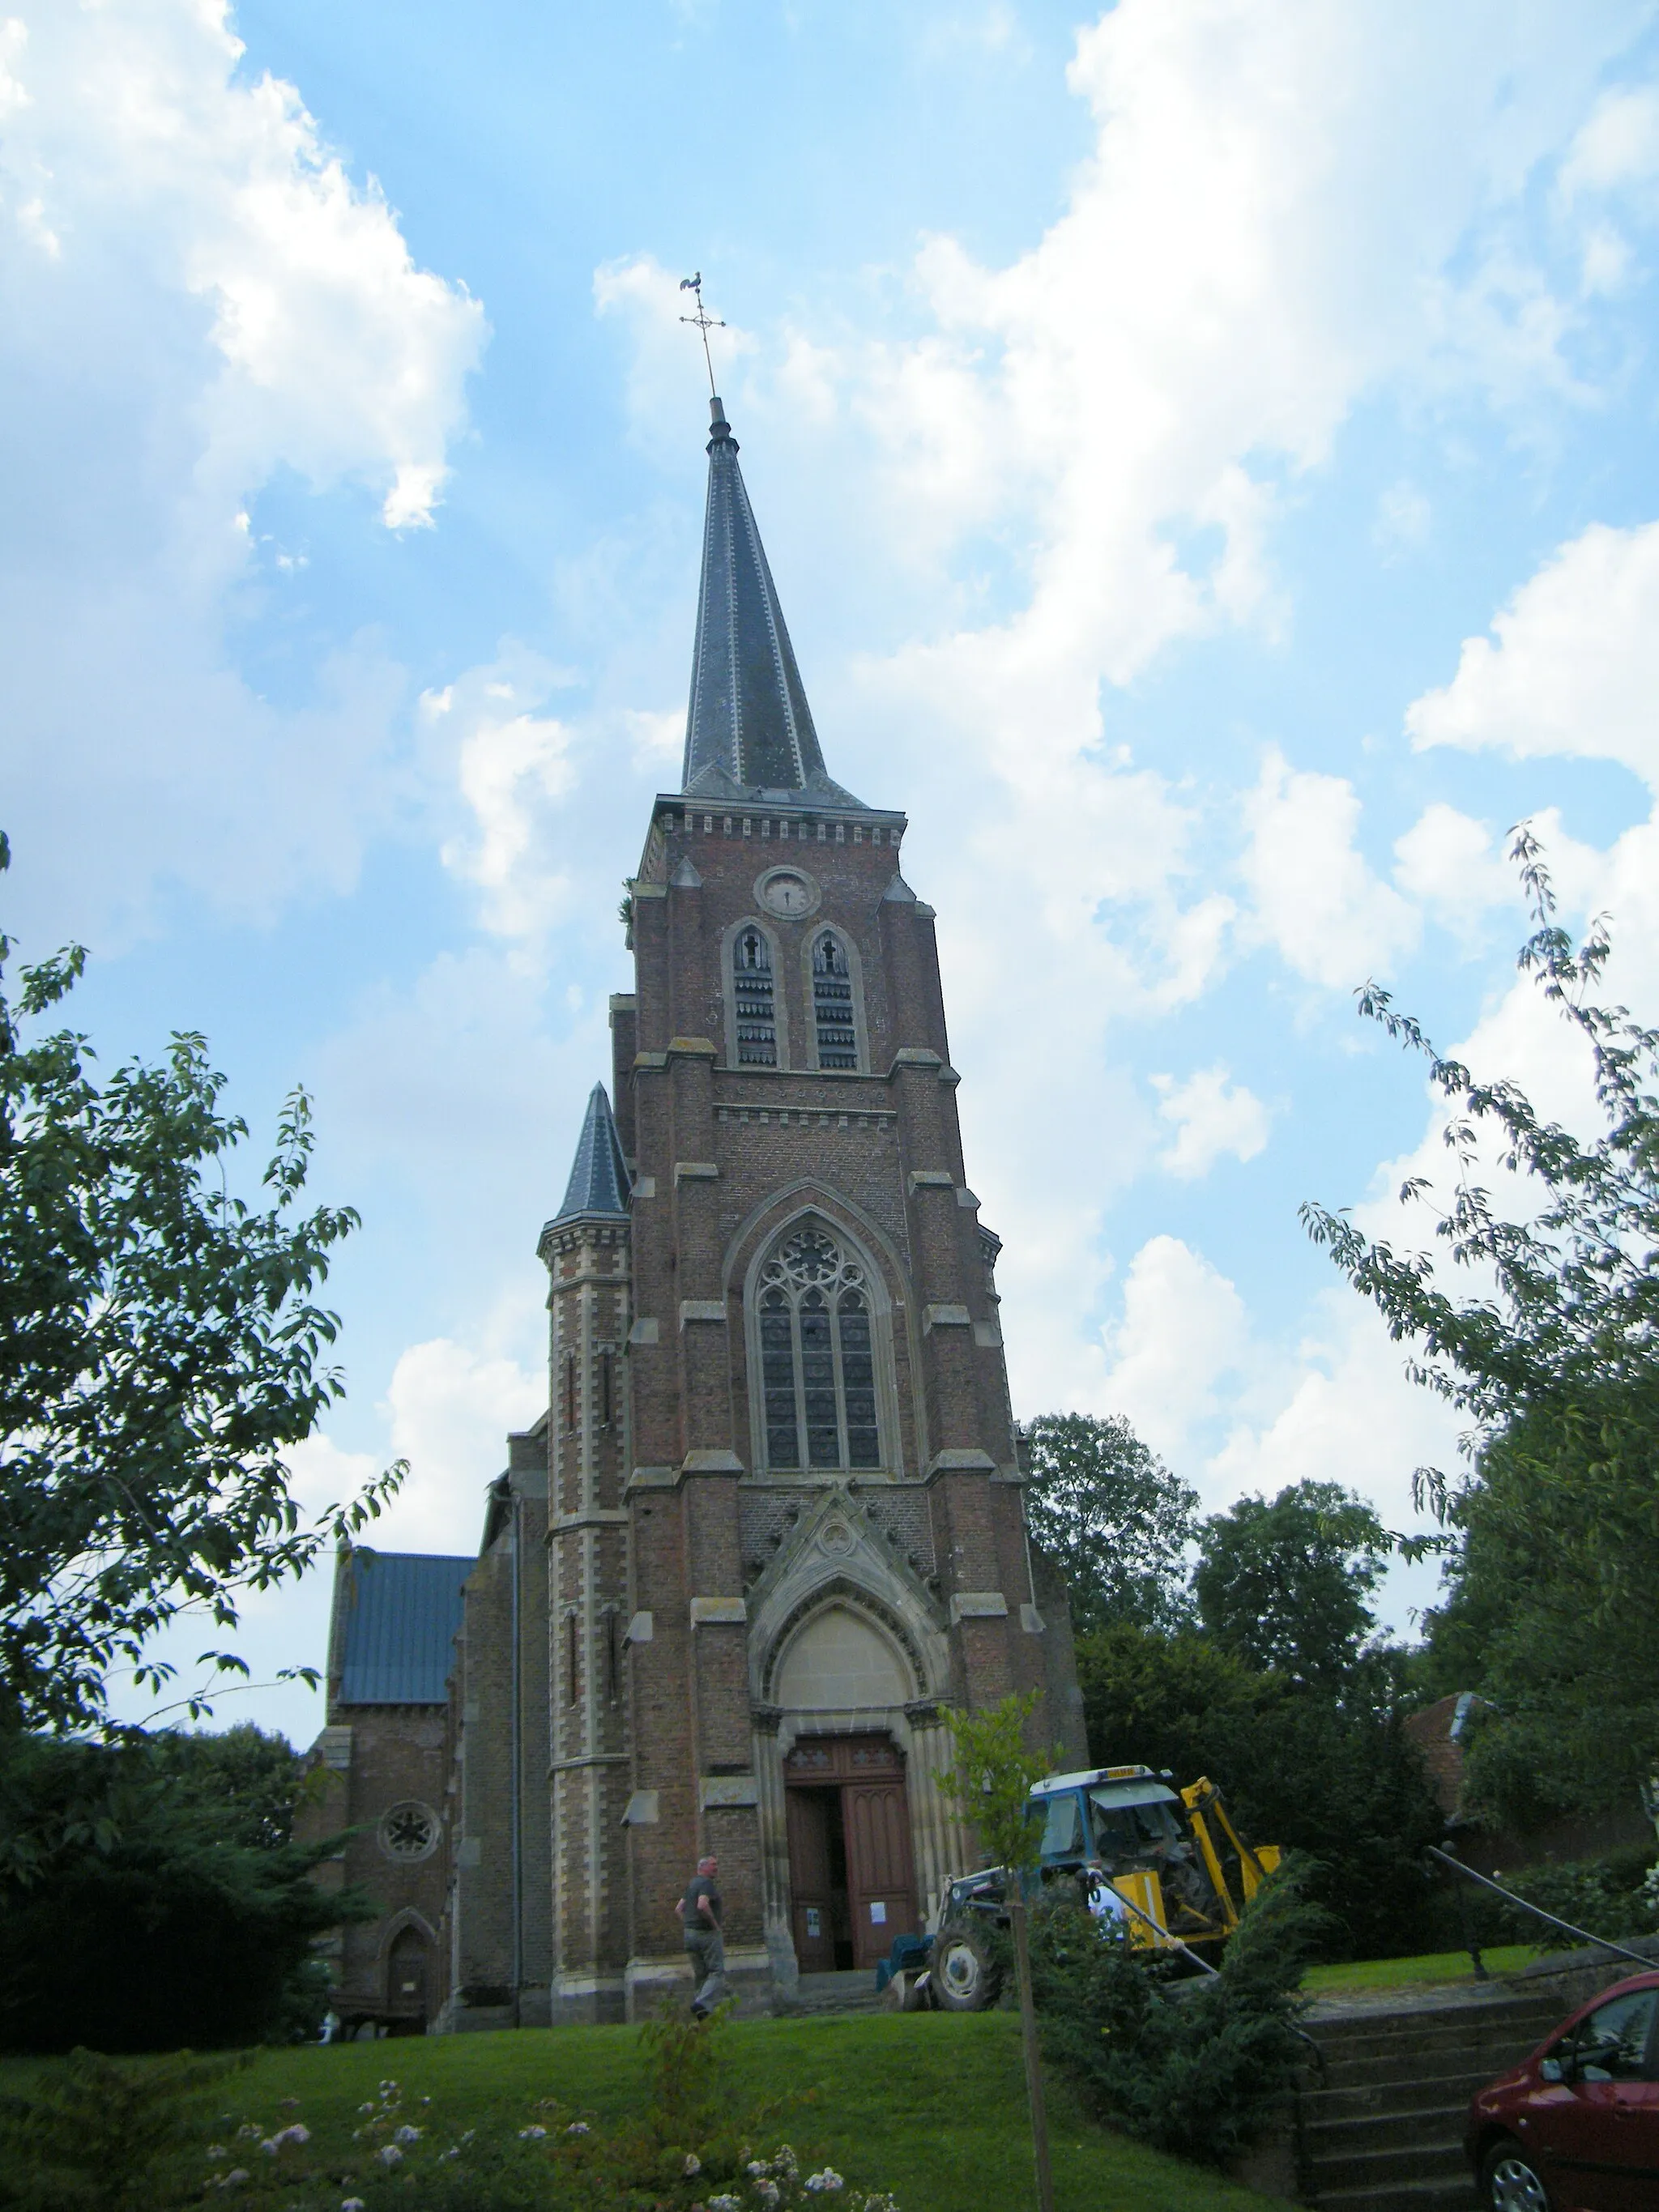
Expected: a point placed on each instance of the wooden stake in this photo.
(1028, 2030)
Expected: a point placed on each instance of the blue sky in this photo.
(1206, 451)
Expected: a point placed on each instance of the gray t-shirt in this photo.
(701, 1890)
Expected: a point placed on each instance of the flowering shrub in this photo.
(686, 2154)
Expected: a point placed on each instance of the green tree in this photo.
(1570, 1667)
(1112, 1517)
(154, 1910)
(1284, 1584)
(1176, 1702)
(91, 2135)
(161, 1350)
(250, 1782)
(1198, 2069)
(1553, 1355)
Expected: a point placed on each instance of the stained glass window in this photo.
(818, 1356)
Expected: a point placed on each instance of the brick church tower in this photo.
(786, 1526)
(778, 1485)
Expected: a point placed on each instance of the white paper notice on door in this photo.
(877, 1913)
(812, 1924)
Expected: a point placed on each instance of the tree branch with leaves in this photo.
(161, 1350)
(1553, 1535)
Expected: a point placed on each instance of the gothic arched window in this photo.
(817, 1355)
(751, 989)
(832, 1003)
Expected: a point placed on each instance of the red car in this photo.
(1575, 2128)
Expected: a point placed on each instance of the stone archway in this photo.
(408, 1963)
(845, 1656)
(846, 1813)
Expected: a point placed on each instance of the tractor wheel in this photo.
(963, 1971)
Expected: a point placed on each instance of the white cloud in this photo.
(1446, 862)
(1316, 898)
(515, 771)
(199, 298)
(1212, 1118)
(327, 349)
(1343, 1411)
(1264, 228)
(1183, 1332)
(325, 1474)
(450, 1406)
(1617, 145)
(1572, 663)
(1339, 1408)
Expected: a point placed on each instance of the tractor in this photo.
(1150, 1864)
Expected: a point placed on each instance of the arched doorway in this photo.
(851, 1888)
(407, 1975)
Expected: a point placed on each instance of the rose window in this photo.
(409, 1831)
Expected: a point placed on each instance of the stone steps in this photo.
(1446, 2195)
(815, 1995)
(1380, 2121)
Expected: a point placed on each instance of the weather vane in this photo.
(701, 321)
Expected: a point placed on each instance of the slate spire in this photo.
(749, 729)
(598, 1180)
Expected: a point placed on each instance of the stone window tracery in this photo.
(818, 1356)
(753, 1001)
(832, 1003)
(408, 1830)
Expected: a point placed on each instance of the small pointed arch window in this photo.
(832, 1003)
(818, 1356)
(754, 1003)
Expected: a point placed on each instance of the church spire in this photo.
(598, 1180)
(749, 729)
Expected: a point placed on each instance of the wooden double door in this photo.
(851, 1886)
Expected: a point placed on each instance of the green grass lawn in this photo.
(928, 2106)
(1399, 1973)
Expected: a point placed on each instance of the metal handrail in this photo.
(1537, 1910)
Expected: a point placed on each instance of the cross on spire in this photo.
(702, 322)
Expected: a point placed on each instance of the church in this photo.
(771, 1528)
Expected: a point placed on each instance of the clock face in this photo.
(787, 893)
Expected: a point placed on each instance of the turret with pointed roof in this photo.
(599, 1179)
(749, 731)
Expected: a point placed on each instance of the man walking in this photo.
(699, 1911)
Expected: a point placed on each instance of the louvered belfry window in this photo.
(817, 1360)
(832, 1003)
(756, 1015)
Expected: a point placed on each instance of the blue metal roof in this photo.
(598, 1180)
(749, 728)
(403, 1614)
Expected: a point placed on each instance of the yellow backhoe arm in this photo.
(1202, 1799)
(1203, 1793)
